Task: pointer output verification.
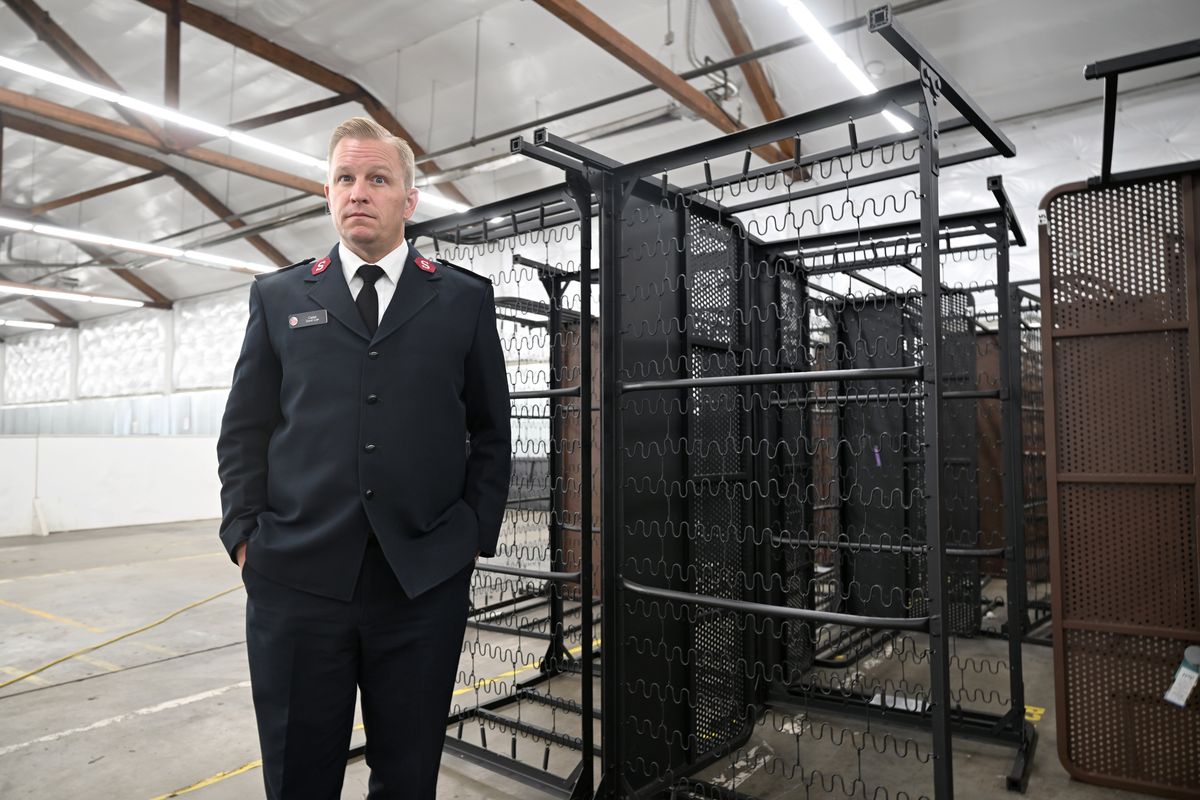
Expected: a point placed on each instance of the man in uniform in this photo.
(364, 461)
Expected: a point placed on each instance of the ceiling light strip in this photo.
(816, 32)
(169, 115)
(192, 256)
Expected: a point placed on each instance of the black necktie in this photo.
(368, 297)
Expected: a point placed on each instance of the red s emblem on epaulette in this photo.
(320, 266)
(426, 264)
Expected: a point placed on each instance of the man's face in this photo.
(367, 196)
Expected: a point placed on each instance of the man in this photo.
(350, 500)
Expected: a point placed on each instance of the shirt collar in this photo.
(391, 264)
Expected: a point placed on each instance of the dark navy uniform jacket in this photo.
(330, 433)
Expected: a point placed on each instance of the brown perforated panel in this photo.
(1115, 687)
(1105, 383)
(1123, 536)
(1117, 257)
(1121, 389)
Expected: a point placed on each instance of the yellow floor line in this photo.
(51, 617)
(34, 679)
(107, 666)
(220, 776)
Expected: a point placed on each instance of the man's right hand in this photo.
(241, 555)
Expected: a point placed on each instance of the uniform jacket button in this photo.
(368, 494)
(372, 399)
(373, 354)
(370, 448)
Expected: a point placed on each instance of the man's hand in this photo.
(241, 555)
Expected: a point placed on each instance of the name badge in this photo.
(305, 318)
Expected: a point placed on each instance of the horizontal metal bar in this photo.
(868, 547)
(883, 22)
(524, 634)
(763, 609)
(1143, 60)
(573, 742)
(546, 575)
(972, 394)
(776, 377)
(516, 770)
(767, 133)
(568, 391)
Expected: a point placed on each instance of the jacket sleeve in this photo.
(251, 416)
(485, 391)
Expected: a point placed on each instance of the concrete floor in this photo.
(167, 712)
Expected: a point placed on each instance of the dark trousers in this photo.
(308, 654)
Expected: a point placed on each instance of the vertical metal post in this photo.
(931, 333)
(1110, 125)
(552, 664)
(582, 194)
(171, 56)
(1012, 447)
(611, 672)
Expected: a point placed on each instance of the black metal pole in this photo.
(931, 333)
(552, 663)
(611, 673)
(581, 192)
(1012, 452)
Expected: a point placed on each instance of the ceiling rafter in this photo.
(88, 194)
(150, 164)
(258, 45)
(70, 51)
(65, 115)
(595, 29)
(58, 315)
(52, 34)
(756, 77)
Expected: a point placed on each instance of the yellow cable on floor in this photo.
(125, 635)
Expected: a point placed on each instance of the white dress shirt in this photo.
(392, 265)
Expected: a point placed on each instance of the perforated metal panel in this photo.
(1121, 384)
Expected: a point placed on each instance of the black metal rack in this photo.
(699, 632)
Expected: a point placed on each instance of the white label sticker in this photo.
(1181, 689)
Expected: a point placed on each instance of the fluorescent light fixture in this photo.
(222, 261)
(70, 297)
(21, 323)
(443, 202)
(194, 256)
(15, 224)
(106, 241)
(160, 112)
(815, 31)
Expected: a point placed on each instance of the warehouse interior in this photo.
(880, 319)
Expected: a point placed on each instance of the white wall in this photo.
(85, 482)
(18, 479)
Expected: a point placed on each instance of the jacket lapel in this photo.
(416, 289)
(330, 290)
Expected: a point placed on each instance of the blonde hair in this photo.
(366, 128)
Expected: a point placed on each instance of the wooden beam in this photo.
(171, 57)
(62, 319)
(79, 197)
(246, 39)
(756, 78)
(116, 153)
(43, 109)
(599, 32)
(68, 50)
(294, 111)
(229, 217)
